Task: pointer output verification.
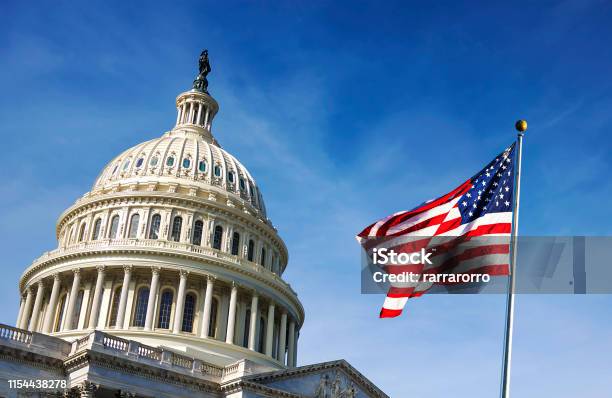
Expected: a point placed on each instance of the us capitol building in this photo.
(167, 282)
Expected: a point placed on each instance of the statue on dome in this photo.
(201, 83)
(204, 64)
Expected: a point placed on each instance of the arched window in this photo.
(77, 309)
(235, 243)
(165, 309)
(247, 328)
(230, 177)
(112, 319)
(251, 250)
(212, 326)
(154, 229)
(134, 221)
(197, 232)
(217, 170)
(188, 313)
(96, 231)
(262, 260)
(114, 227)
(217, 237)
(82, 233)
(140, 313)
(177, 224)
(60, 314)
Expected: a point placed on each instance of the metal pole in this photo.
(521, 126)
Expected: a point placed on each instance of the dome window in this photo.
(115, 169)
(202, 166)
(230, 177)
(217, 171)
(154, 160)
(186, 163)
(242, 184)
(126, 164)
(139, 162)
(170, 161)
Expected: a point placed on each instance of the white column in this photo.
(97, 298)
(295, 347)
(199, 117)
(27, 309)
(282, 338)
(180, 302)
(190, 114)
(51, 308)
(270, 329)
(125, 288)
(153, 290)
(207, 307)
(291, 344)
(74, 292)
(20, 314)
(231, 317)
(37, 304)
(206, 117)
(178, 114)
(253, 322)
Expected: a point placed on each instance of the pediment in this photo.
(337, 379)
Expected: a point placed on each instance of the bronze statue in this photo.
(201, 83)
(204, 64)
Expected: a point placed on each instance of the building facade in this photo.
(167, 282)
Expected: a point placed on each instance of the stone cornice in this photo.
(126, 366)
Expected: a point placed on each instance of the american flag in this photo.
(461, 229)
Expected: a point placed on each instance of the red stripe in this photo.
(498, 228)
(387, 313)
(448, 225)
(460, 190)
(421, 225)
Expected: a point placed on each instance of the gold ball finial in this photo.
(521, 125)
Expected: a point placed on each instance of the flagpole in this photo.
(521, 127)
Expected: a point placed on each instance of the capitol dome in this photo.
(171, 248)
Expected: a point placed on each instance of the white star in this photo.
(496, 203)
(471, 214)
(464, 203)
(474, 205)
(469, 195)
(501, 195)
(507, 189)
(488, 174)
(507, 203)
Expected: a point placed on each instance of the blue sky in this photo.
(344, 113)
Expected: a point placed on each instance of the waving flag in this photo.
(460, 229)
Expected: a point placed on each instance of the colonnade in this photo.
(164, 300)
